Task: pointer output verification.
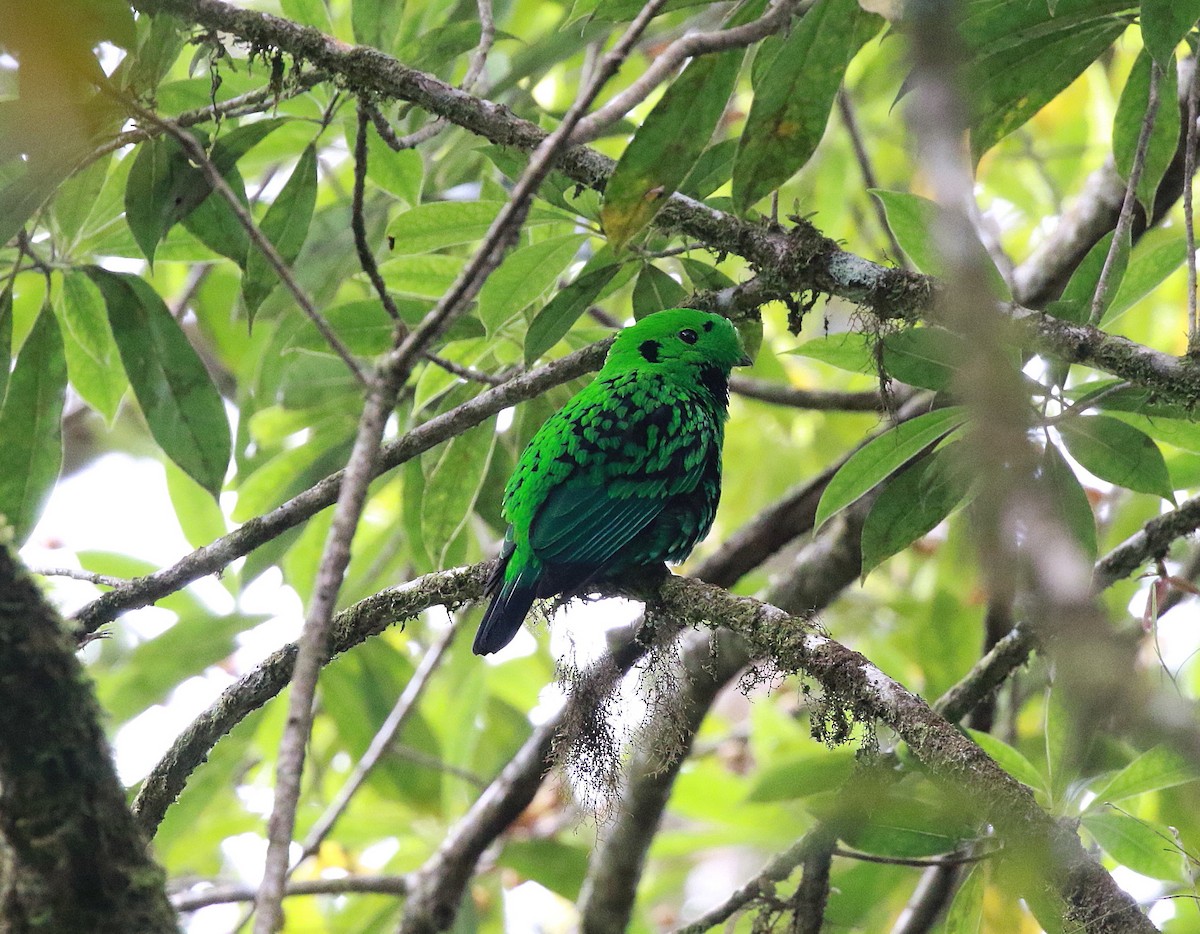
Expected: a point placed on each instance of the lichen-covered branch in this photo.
(796, 259)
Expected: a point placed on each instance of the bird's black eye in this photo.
(688, 336)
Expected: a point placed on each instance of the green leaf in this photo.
(560, 867)
(1164, 135)
(440, 224)
(1157, 254)
(400, 173)
(623, 10)
(654, 291)
(1164, 24)
(1140, 845)
(215, 225)
(286, 225)
(524, 275)
(160, 40)
(911, 505)
(308, 12)
(802, 776)
(552, 323)
(1067, 493)
(1022, 56)
(848, 350)
(182, 406)
(966, 911)
(6, 323)
(913, 219)
(792, 101)
(1118, 453)
(1176, 432)
(1075, 303)
(149, 673)
(31, 426)
(880, 457)
(1154, 770)
(200, 517)
(667, 145)
(1010, 759)
(93, 361)
(925, 357)
(163, 188)
(704, 276)
(231, 146)
(426, 276)
(712, 170)
(376, 22)
(76, 198)
(452, 487)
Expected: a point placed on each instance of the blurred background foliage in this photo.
(143, 327)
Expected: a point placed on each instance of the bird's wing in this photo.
(586, 523)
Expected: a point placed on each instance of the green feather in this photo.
(626, 474)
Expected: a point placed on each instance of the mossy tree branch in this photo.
(74, 858)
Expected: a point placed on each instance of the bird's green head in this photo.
(678, 336)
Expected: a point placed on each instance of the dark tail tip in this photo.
(502, 619)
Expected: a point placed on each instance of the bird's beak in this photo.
(744, 360)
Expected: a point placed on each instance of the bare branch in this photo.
(101, 580)
(821, 400)
(380, 743)
(487, 35)
(1125, 219)
(366, 258)
(203, 896)
(846, 110)
(669, 59)
(314, 648)
(1189, 221)
(353, 625)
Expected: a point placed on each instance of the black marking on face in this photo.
(708, 326)
(716, 382)
(649, 350)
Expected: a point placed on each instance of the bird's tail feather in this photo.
(506, 613)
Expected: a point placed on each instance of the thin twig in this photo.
(487, 35)
(1125, 219)
(777, 869)
(1189, 221)
(823, 400)
(257, 237)
(846, 110)
(249, 103)
(381, 743)
(957, 859)
(366, 258)
(102, 580)
(465, 372)
(470, 82)
(674, 55)
(196, 899)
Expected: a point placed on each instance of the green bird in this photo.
(626, 475)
